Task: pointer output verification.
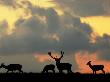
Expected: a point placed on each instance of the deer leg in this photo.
(20, 71)
(60, 71)
(70, 71)
(12, 71)
(46, 71)
(53, 71)
(95, 72)
(103, 71)
(7, 71)
(67, 71)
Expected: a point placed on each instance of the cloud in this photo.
(10, 3)
(43, 58)
(75, 35)
(53, 25)
(3, 29)
(106, 6)
(29, 35)
(3, 26)
(86, 7)
(102, 45)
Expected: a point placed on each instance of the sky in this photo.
(29, 29)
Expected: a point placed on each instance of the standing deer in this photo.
(96, 67)
(12, 67)
(61, 66)
(49, 67)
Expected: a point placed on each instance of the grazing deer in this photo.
(12, 67)
(49, 67)
(96, 67)
(61, 66)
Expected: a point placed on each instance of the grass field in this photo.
(53, 77)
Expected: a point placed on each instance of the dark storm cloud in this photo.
(105, 55)
(51, 14)
(3, 27)
(106, 6)
(86, 7)
(52, 18)
(3, 24)
(28, 37)
(75, 38)
(10, 3)
(102, 45)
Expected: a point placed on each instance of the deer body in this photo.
(12, 67)
(61, 66)
(49, 67)
(96, 67)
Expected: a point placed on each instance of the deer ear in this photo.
(89, 61)
(2, 63)
(62, 52)
(49, 53)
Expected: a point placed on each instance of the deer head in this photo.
(49, 53)
(2, 65)
(89, 63)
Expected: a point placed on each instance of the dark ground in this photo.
(52, 77)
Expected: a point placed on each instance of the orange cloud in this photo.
(44, 57)
(83, 57)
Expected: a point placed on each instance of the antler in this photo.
(49, 53)
(61, 54)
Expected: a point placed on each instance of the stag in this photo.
(12, 67)
(61, 66)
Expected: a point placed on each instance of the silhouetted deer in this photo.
(49, 67)
(12, 67)
(61, 66)
(96, 67)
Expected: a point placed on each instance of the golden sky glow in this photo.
(100, 24)
(45, 57)
(43, 3)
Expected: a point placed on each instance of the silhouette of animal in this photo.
(49, 67)
(61, 66)
(12, 67)
(96, 67)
